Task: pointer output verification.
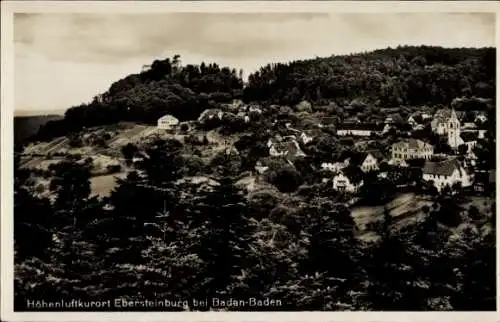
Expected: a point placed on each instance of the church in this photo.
(446, 123)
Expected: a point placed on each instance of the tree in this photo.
(226, 233)
(161, 164)
(71, 184)
(129, 151)
(462, 149)
(286, 179)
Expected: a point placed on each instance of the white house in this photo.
(481, 118)
(167, 122)
(446, 173)
(260, 168)
(344, 183)
(335, 167)
(370, 163)
(308, 136)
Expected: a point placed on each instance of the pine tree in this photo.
(226, 234)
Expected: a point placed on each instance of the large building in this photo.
(412, 149)
(362, 129)
(167, 122)
(446, 173)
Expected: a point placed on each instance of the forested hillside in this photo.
(388, 77)
(163, 87)
(205, 211)
(27, 126)
(404, 76)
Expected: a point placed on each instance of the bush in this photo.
(114, 168)
(286, 180)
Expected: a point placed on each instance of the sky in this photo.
(62, 60)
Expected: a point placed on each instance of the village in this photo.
(450, 165)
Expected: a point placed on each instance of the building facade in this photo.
(167, 122)
(446, 173)
(412, 149)
(343, 183)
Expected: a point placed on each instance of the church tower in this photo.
(453, 128)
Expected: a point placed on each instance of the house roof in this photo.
(357, 158)
(412, 144)
(329, 120)
(362, 126)
(353, 173)
(468, 136)
(291, 147)
(211, 112)
(376, 154)
(313, 132)
(168, 117)
(443, 168)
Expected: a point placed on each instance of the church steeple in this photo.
(454, 139)
(453, 115)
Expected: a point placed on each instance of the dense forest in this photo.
(158, 237)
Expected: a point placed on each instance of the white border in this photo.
(7, 100)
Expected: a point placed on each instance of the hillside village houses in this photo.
(308, 136)
(211, 113)
(446, 173)
(346, 183)
(327, 122)
(365, 161)
(412, 149)
(167, 122)
(417, 118)
(470, 140)
(288, 148)
(362, 129)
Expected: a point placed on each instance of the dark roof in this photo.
(329, 120)
(289, 146)
(353, 173)
(376, 154)
(443, 168)
(468, 136)
(362, 126)
(357, 158)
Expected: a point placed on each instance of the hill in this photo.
(388, 77)
(27, 126)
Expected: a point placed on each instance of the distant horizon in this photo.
(51, 49)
